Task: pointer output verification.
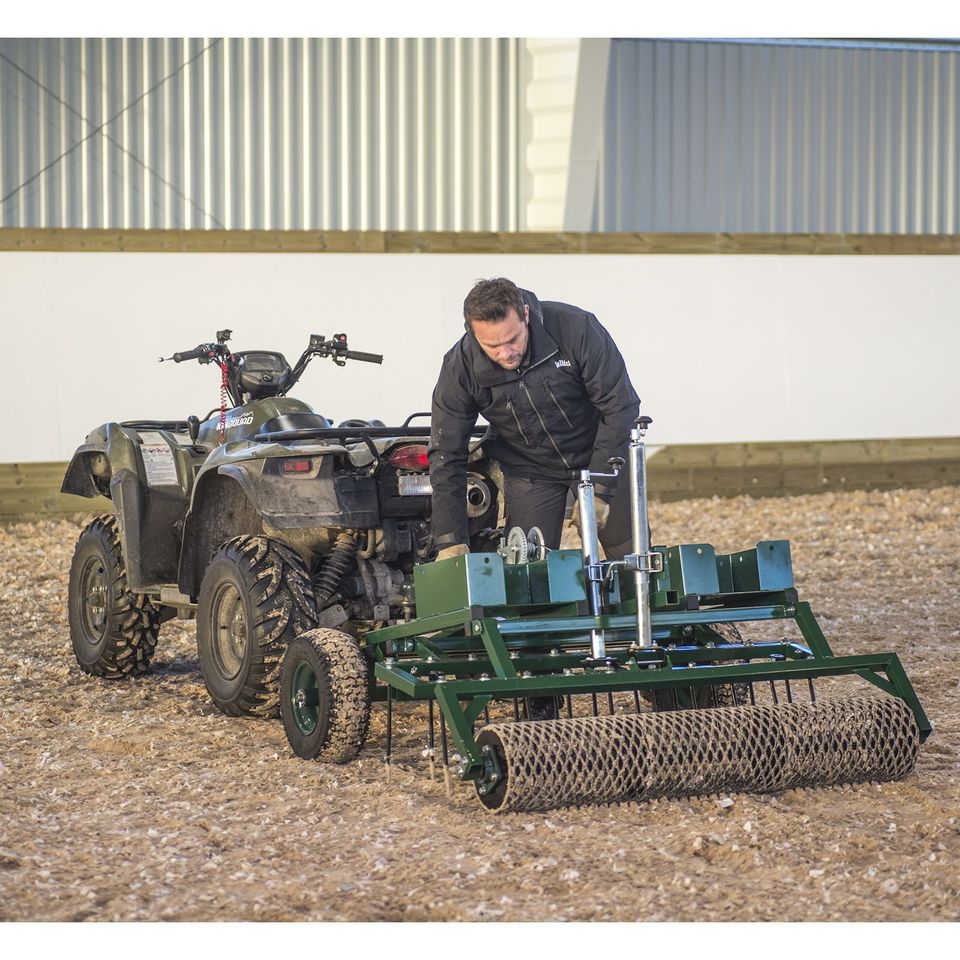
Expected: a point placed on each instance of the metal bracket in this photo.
(644, 562)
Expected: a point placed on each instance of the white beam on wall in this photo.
(549, 88)
(588, 116)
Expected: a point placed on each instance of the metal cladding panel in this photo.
(377, 134)
(780, 138)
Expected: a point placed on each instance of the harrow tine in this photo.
(389, 724)
(753, 699)
(570, 705)
(443, 740)
(676, 699)
(516, 710)
(486, 714)
(431, 737)
(813, 693)
(786, 683)
(610, 699)
(594, 697)
(636, 699)
(773, 690)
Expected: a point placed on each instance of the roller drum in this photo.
(753, 749)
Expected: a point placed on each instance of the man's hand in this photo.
(457, 550)
(570, 538)
(601, 512)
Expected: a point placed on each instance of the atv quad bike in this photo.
(263, 521)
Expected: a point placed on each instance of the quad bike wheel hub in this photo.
(306, 700)
(230, 635)
(93, 589)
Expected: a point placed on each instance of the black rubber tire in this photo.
(264, 588)
(718, 695)
(113, 630)
(542, 708)
(325, 696)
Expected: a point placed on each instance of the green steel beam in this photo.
(811, 632)
(461, 727)
(496, 649)
(420, 627)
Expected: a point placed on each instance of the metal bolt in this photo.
(554, 652)
(301, 698)
(514, 654)
(471, 656)
(526, 674)
(388, 663)
(484, 676)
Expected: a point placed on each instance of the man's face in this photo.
(504, 341)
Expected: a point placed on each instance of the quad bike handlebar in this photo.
(252, 374)
(195, 354)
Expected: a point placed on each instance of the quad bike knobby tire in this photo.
(255, 597)
(325, 696)
(113, 630)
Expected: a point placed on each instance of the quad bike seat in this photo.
(296, 421)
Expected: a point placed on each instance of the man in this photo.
(553, 385)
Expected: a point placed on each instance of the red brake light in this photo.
(413, 456)
(297, 466)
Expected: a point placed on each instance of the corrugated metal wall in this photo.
(793, 139)
(408, 134)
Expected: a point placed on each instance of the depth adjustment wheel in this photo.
(112, 629)
(256, 596)
(325, 696)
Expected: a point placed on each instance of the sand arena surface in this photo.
(137, 800)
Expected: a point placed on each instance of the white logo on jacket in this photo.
(562, 363)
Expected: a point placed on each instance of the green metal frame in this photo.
(539, 650)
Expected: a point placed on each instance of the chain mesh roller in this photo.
(756, 749)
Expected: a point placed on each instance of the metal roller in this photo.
(611, 759)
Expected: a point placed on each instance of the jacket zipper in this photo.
(557, 402)
(517, 420)
(542, 424)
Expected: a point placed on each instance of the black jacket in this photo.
(570, 406)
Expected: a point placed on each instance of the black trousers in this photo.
(543, 503)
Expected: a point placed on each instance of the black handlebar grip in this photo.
(194, 354)
(366, 357)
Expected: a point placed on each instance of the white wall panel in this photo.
(721, 349)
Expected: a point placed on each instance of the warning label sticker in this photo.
(158, 460)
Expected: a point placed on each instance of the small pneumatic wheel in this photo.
(325, 696)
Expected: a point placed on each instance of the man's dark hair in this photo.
(491, 300)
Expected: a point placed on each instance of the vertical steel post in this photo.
(590, 546)
(641, 530)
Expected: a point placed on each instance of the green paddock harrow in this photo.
(628, 679)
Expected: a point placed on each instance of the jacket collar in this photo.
(541, 347)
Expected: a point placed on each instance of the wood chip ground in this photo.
(137, 800)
